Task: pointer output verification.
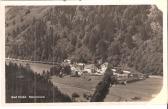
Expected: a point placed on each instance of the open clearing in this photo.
(80, 85)
(143, 90)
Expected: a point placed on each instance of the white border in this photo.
(162, 4)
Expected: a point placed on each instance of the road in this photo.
(30, 61)
(38, 67)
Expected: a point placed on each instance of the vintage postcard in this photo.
(84, 53)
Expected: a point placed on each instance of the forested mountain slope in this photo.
(121, 35)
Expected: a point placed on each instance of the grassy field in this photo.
(137, 91)
(79, 85)
(143, 90)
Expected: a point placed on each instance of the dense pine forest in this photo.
(121, 35)
(22, 82)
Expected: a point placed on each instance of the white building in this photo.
(67, 61)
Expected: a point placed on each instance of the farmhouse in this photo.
(127, 75)
(103, 68)
(67, 61)
(77, 69)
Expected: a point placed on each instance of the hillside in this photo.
(121, 35)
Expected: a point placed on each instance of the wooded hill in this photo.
(121, 35)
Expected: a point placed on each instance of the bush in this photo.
(87, 95)
(55, 70)
(27, 12)
(67, 70)
(75, 95)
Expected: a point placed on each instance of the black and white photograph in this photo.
(83, 53)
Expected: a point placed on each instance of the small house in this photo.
(67, 61)
(103, 68)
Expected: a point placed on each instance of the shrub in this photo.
(75, 95)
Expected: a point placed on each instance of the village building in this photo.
(67, 61)
(103, 68)
(127, 75)
(77, 69)
(90, 68)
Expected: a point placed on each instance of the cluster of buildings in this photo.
(122, 74)
(78, 69)
(128, 75)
